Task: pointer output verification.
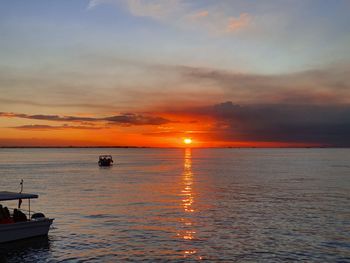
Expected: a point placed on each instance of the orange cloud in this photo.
(182, 15)
(236, 24)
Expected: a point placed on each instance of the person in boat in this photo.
(5, 217)
(2, 213)
(7, 212)
(19, 216)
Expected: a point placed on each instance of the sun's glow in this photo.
(187, 141)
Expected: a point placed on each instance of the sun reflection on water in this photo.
(187, 180)
(187, 202)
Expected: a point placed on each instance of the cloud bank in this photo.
(322, 125)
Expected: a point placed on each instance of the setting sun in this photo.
(187, 141)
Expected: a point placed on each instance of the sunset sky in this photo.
(235, 73)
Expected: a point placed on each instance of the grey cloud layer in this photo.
(328, 85)
(131, 85)
(316, 124)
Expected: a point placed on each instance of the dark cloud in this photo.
(325, 125)
(136, 119)
(46, 117)
(127, 119)
(50, 127)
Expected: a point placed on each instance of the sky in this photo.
(229, 73)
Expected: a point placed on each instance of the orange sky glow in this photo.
(201, 131)
(223, 73)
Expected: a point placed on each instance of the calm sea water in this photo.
(156, 205)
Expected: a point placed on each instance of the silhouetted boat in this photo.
(15, 227)
(105, 160)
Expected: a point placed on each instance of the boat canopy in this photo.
(4, 196)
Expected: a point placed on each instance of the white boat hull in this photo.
(22, 230)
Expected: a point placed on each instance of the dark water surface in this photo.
(156, 205)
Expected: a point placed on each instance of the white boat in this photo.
(35, 225)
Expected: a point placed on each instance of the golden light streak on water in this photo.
(187, 194)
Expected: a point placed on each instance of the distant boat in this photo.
(105, 160)
(17, 226)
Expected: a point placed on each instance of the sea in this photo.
(183, 205)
